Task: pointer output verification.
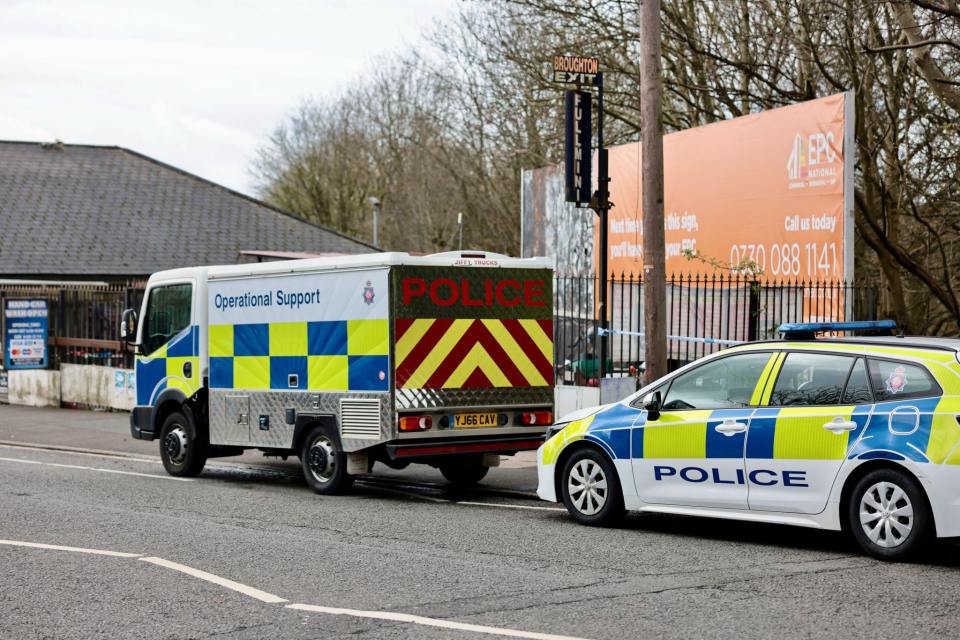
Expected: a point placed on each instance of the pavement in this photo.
(97, 542)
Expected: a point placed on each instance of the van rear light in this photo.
(535, 418)
(415, 423)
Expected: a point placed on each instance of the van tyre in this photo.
(182, 450)
(324, 462)
(889, 516)
(463, 472)
(591, 489)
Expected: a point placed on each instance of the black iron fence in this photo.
(83, 320)
(704, 314)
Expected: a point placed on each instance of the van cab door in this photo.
(168, 343)
(692, 453)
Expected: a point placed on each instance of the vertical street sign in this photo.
(25, 334)
(578, 146)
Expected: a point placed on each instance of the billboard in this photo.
(25, 334)
(773, 188)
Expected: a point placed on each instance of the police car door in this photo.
(815, 406)
(692, 452)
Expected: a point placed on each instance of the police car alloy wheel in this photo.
(591, 489)
(323, 462)
(182, 452)
(888, 515)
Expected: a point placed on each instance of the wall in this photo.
(34, 387)
(569, 399)
(95, 386)
(74, 384)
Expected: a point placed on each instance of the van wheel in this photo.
(888, 515)
(324, 462)
(463, 472)
(182, 451)
(590, 488)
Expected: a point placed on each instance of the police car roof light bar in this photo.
(808, 330)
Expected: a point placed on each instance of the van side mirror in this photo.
(128, 326)
(653, 403)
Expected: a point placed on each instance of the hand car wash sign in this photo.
(25, 334)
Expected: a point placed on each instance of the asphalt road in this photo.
(402, 557)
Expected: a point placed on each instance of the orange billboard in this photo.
(773, 189)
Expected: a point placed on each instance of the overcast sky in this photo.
(197, 84)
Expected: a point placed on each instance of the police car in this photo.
(860, 434)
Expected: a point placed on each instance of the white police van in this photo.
(856, 433)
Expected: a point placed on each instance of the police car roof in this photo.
(917, 342)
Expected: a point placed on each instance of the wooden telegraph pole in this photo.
(651, 136)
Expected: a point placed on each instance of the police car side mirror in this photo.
(128, 326)
(652, 403)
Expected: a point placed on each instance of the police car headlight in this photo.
(554, 429)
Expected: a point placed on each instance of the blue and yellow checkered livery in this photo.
(163, 369)
(341, 355)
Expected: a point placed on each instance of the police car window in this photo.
(168, 313)
(858, 385)
(899, 380)
(720, 384)
(810, 379)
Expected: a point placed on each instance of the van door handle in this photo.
(730, 426)
(187, 369)
(839, 425)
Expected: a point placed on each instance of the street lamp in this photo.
(375, 204)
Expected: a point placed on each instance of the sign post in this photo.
(585, 72)
(25, 334)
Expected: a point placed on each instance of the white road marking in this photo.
(262, 596)
(430, 622)
(269, 598)
(57, 547)
(76, 466)
(508, 506)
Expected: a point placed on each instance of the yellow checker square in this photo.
(799, 434)
(221, 340)
(328, 373)
(251, 372)
(288, 338)
(368, 337)
(176, 379)
(677, 440)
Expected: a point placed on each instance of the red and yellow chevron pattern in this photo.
(459, 353)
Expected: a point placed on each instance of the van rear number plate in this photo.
(475, 420)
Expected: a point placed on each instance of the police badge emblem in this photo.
(368, 293)
(896, 381)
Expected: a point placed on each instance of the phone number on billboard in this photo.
(790, 259)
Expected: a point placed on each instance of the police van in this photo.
(445, 360)
(856, 433)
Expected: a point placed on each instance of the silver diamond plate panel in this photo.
(275, 404)
(473, 398)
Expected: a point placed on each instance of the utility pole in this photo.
(651, 136)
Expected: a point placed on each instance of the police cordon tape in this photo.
(604, 332)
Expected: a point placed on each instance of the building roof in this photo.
(80, 210)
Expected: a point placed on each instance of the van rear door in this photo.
(473, 337)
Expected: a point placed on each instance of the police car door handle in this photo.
(730, 426)
(839, 425)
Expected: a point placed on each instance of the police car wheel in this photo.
(324, 462)
(182, 452)
(888, 515)
(591, 488)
